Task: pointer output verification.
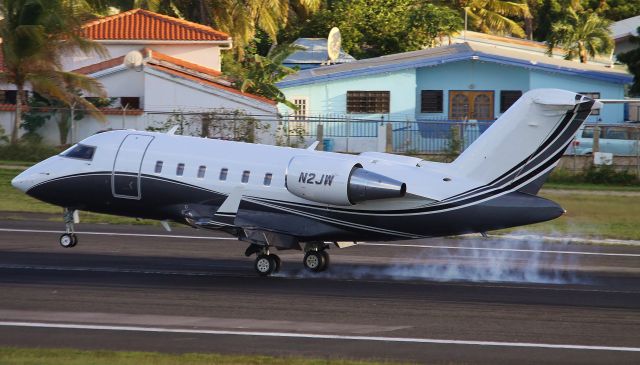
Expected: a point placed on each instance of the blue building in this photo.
(464, 81)
(312, 53)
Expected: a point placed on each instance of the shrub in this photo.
(26, 151)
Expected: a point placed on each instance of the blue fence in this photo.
(422, 136)
(436, 136)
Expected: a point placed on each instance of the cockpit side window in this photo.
(80, 151)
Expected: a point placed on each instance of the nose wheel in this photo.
(68, 240)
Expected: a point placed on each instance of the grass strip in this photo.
(20, 356)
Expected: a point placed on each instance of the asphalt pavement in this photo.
(472, 300)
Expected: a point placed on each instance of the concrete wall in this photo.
(468, 75)
(206, 55)
(611, 113)
(331, 97)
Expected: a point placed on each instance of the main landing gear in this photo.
(316, 258)
(69, 238)
(266, 263)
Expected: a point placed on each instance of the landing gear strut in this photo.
(266, 263)
(316, 258)
(69, 238)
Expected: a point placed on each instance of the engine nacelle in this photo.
(331, 180)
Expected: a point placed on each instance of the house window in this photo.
(592, 95)
(245, 176)
(302, 112)
(158, 168)
(267, 178)
(11, 97)
(507, 98)
(431, 101)
(130, 102)
(368, 102)
(180, 169)
(201, 171)
(223, 173)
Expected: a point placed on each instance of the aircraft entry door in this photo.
(125, 178)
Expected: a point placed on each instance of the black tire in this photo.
(277, 261)
(75, 239)
(327, 260)
(67, 240)
(313, 261)
(264, 265)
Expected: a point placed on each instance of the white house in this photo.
(179, 72)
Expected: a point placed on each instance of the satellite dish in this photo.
(334, 44)
(133, 60)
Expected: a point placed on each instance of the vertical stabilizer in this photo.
(527, 141)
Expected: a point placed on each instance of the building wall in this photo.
(331, 97)
(610, 113)
(206, 55)
(468, 75)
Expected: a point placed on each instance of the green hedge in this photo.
(602, 175)
(32, 152)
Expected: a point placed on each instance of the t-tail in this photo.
(522, 146)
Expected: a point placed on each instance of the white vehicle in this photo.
(290, 198)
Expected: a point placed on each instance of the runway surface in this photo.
(427, 301)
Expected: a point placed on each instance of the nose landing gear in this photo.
(69, 239)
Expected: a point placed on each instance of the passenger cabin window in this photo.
(158, 168)
(223, 173)
(80, 151)
(614, 133)
(267, 178)
(201, 171)
(245, 176)
(180, 169)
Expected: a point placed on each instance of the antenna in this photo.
(133, 60)
(334, 44)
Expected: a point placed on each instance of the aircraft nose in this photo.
(25, 180)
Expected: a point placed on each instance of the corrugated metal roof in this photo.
(625, 27)
(314, 51)
(453, 53)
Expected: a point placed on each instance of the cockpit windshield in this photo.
(80, 151)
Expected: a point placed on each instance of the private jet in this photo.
(281, 198)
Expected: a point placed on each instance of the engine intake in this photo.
(331, 180)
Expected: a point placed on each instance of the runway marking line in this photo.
(359, 244)
(316, 336)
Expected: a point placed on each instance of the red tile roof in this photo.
(210, 83)
(139, 24)
(182, 63)
(104, 65)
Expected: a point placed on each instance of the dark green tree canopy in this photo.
(632, 60)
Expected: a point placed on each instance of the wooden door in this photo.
(465, 105)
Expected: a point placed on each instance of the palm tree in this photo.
(35, 35)
(581, 34)
(494, 16)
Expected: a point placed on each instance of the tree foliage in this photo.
(36, 34)
(373, 28)
(632, 60)
(496, 16)
(581, 34)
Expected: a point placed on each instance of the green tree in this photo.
(35, 35)
(581, 35)
(617, 9)
(258, 74)
(496, 16)
(372, 28)
(632, 60)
